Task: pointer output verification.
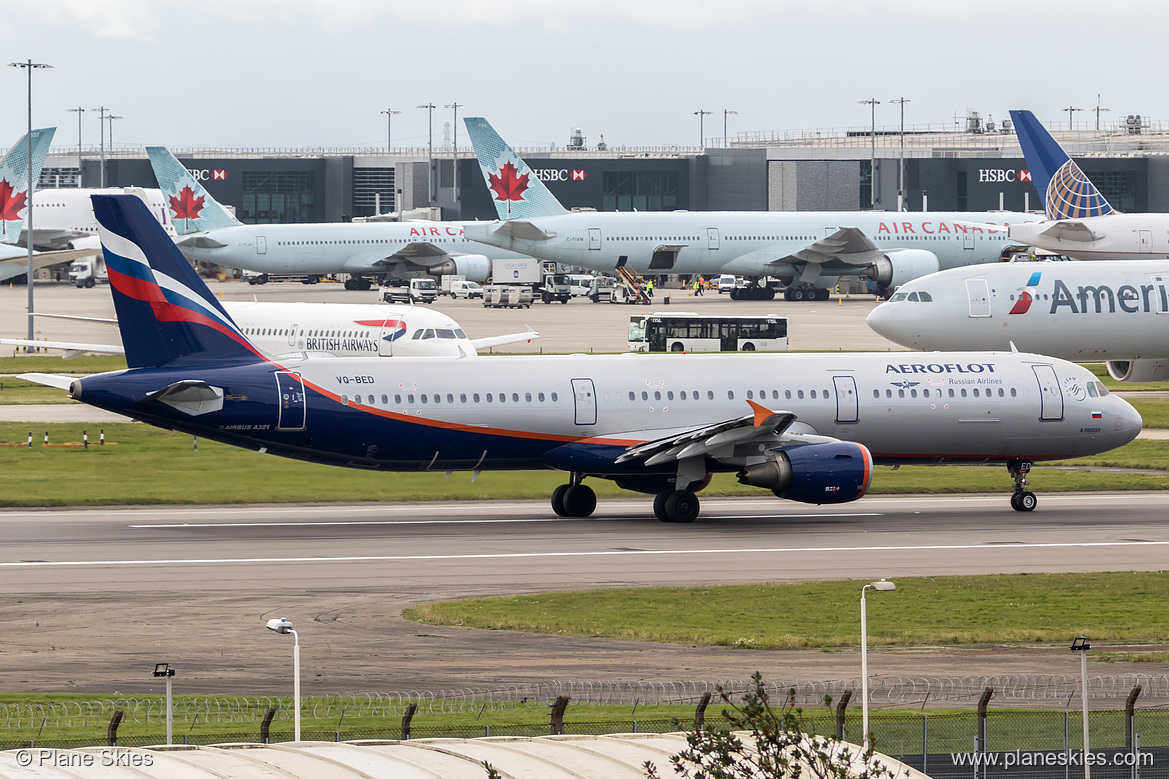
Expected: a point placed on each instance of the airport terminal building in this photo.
(973, 170)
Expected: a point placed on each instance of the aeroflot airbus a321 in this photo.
(809, 427)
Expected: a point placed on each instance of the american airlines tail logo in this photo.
(1026, 298)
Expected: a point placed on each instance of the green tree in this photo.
(762, 741)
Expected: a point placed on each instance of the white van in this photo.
(465, 289)
(580, 285)
(726, 283)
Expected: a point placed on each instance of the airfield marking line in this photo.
(396, 522)
(608, 553)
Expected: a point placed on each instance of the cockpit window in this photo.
(898, 297)
(445, 333)
(912, 297)
(1101, 389)
(428, 333)
(925, 297)
(1092, 393)
(460, 334)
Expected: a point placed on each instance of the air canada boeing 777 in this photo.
(808, 427)
(810, 251)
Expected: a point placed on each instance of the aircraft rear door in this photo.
(712, 238)
(968, 240)
(847, 409)
(594, 239)
(1146, 241)
(261, 245)
(1050, 395)
(978, 293)
(584, 401)
(290, 397)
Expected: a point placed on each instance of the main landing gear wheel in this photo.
(558, 500)
(1022, 499)
(676, 506)
(579, 501)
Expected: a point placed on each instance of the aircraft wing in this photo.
(52, 238)
(71, 349)
(763, 426)
(1072, 230)
(500, 340)
(16, 265)
(197, 241)
(848, 249)
(418, 250)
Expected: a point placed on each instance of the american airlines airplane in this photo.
(810, 251)
(808, 427)
(1080, 223)
(326, 330)
(208, 232)
(1115, 311)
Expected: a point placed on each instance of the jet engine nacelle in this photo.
(1138, 370)
(473, 267)
(900, 266)
(836, 472)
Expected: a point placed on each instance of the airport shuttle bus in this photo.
(689, 332)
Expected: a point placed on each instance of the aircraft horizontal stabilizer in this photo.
(524, 230)
(201, 242)
(49, 379)
(1072, 230)
(190, 396)
(71, 349)
(704, 440)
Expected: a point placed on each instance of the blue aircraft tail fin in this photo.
(515, 189)
(165, 312)
(192, 210)
(1067, 193)
(14, 184)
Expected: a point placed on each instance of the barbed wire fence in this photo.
(883, 691)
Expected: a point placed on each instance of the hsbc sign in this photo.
(204, 174)
(560, 174)
(999, 175)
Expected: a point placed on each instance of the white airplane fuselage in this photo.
(1117, 237)
(354, 248)
(63, 217)
(749, 243)
(1082, 311)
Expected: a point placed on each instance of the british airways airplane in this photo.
(808, 427)
(810, 251)
(1080, 222)
(208, 232)
(1116, 311)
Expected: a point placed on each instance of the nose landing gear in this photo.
(1022, 499)
(574, 499)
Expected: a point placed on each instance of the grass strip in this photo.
(154, 466)
(930, 611)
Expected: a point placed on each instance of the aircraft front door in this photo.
(712, 238)
(261, 245)
(968, 240)
(585, 401)
(1050, 395)
(292, 336)
(1146, 241)
(847, 409)
(291, 400)
(594, 239)
(392, 330)
(978, 293)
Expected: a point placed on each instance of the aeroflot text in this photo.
(1073, 758)
(935, 367)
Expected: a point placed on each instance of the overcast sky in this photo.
(278, 73)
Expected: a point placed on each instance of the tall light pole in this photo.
(1099, 111)
(456, 106)
(881, 586)
(901, 168)
(726, 113)
(1082, 646)
(389, 112)
(164, 670)
(1070, 111)
(30, 66)
(873, 103)
(111, 119)
(101, 123)
(79, 111)
(284, 627)
(701, 131)
(429, 149)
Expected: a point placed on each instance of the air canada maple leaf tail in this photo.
(192, 210)
(515, 188)
(14, 181)
(1067, 193)
(165, 312)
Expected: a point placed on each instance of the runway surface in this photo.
(97, 596)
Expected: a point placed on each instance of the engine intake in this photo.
(1138, 370)
(902, 265)
(837, 472)
(473, 267)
